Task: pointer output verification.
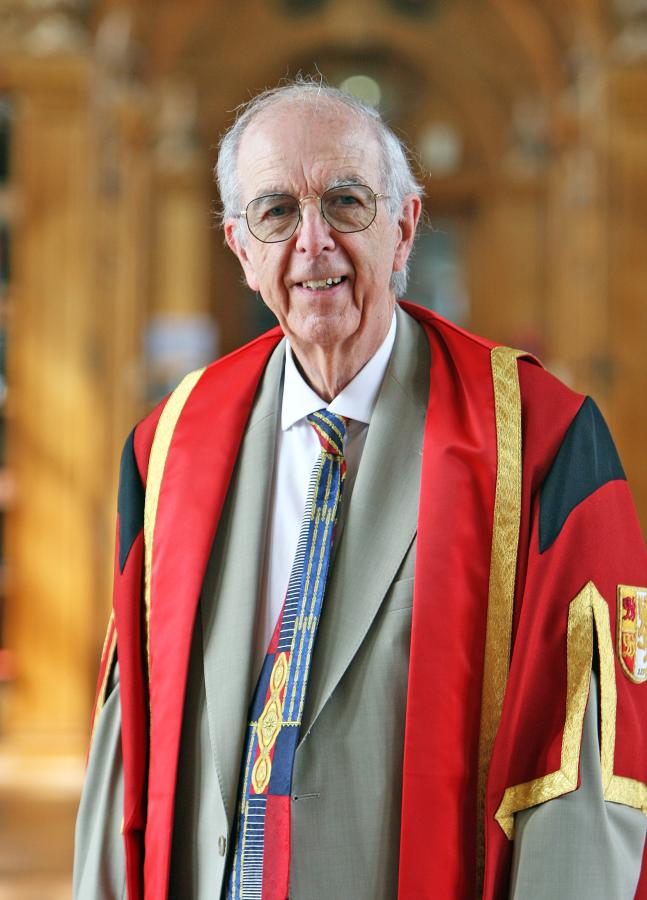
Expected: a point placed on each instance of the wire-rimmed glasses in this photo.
(347, 208)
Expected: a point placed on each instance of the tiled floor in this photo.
(38, 801)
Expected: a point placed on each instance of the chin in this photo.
(323, 330)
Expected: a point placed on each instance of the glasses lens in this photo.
(274, 217)
(350, 207)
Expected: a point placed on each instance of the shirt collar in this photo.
(356, 401)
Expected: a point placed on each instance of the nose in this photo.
(314, 234)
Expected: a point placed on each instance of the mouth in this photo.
(322, 284)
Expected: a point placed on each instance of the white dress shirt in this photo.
(297, 451)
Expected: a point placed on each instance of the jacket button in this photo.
(222, 845)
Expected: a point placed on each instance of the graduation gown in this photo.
(528, 555)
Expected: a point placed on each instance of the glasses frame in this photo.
(302, 200)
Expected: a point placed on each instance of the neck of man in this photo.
(329, 369)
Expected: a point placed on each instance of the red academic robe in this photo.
(507, 595)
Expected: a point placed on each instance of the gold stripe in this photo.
(328, 438)
(159, 452)
(110, 651)
(332, 424)
(503, 566)
(627, 791)
(587, 609)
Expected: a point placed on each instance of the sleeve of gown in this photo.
(594, 847)
(575, 798)
(99, 864)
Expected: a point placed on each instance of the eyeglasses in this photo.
(347, 208)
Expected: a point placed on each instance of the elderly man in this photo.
(368, 567)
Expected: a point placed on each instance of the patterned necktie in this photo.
(260, 864)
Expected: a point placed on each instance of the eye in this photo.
(273, 207)
(347, 198)
(276, 212)
(340, 200)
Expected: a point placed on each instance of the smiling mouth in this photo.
(322, 284)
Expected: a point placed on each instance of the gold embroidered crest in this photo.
(632, 632)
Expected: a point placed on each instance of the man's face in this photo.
(301, 149)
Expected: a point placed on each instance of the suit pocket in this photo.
(400, 595)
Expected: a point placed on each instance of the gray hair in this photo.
(397, 176)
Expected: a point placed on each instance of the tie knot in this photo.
(330, 429)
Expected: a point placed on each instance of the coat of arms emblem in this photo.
(632, 631)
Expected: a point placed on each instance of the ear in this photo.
(240, 250)
(407, 224)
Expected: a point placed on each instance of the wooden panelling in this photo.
(57, 427)
(550, 200)
(627, 210)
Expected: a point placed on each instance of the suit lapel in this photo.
(381, 518)
(232, 585)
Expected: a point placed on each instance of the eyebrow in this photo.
(351, 178)
(271, 189)
(348, 178)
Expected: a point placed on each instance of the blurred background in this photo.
(528, 123)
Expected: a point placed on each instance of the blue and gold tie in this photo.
(260, 865)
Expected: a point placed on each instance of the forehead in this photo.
(303, 146)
